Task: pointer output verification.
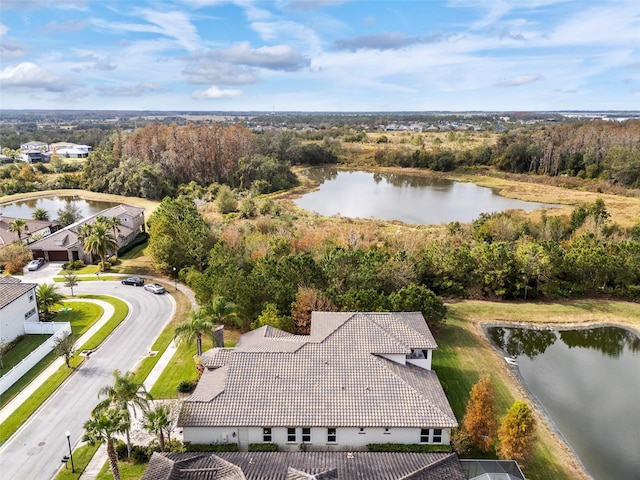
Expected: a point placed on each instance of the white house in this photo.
(17, 305)
(358, 378)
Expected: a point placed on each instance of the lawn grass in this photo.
(81, 316)
(464, 354)
(21, 349)
(128, 471)
(120, 313)
(87, 269)
(103, 278)
(81, 458)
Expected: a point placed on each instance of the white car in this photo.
(154, 288)
(35, 264)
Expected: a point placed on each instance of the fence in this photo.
(56, 329)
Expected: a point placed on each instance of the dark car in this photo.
(35, 264)
(137, 281)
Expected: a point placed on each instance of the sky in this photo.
(320, 55)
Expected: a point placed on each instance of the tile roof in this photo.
(339, 381)
(304, 466)
(11, 289)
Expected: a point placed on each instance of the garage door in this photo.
(58, 256)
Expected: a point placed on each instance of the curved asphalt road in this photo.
(35, 451)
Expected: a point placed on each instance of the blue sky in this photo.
(320, 55)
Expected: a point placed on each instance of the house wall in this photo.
(13, 315)
(346, 438)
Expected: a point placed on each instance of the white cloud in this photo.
(215, 92)
(137, 90)
(519, 80)
(29, 76)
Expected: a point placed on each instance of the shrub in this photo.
(75, 265)
(140, 239)
(263, 447)
(408, 448)
(210, 447)
(121, 449)
(140, 454)
(187, 386)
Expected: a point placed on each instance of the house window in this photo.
(31, 296)
(266, 434)
(306, 435)
(331, 435)
(291, 435)
(424, 435)
(437, 435)
(29, 313)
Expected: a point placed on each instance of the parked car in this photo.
(137, 281)
(154, 288)
(35, 264)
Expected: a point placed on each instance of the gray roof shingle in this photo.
(339, 380)
(11, 289)
(304, 465)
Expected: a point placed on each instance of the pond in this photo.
(588, 381)
(24, 208)
(408, 198)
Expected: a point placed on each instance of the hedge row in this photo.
(141, 238)
(210, 447)
(410, 448)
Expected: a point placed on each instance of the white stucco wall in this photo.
(346, 438)
(13, 316)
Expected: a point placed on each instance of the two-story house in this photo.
(17, 305)
(358, 378)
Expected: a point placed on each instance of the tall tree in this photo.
(100, 242)
(18, 226)
(479, 420)
(40, 214)
(69, 214)
(223, 312)
(158, 420)
(125, 394)
(517, 433)
(199, 323)
(104, 425)
(47, 295)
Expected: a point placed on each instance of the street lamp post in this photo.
(68, 434)
(175, 279)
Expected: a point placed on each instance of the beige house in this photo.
(64, 245)
(358, 378)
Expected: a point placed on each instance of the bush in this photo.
(140, 454)
(263, 447)
(140, 239)
(71, 266)
(187, 386)
(408, 448)
(121, 449)
(210, 447)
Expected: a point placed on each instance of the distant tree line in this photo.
(593, 149)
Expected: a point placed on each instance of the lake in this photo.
(408, 198)
(24, 208)
(588, 381)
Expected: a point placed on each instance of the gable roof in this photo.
(340, 381)
(11, 289)
(7, 236)
(304, 466)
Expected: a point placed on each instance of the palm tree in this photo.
(64, 348)
(114, 224)
(124, 393)
(100, 242)
(47, 295)
(199, 323)
(222, 313)
(17, 226)
(157, 421)
(83, 231)
(40, 214)
(103, 426)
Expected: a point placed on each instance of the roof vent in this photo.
(349, 454)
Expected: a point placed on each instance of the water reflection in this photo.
(610, 341)
(25, 208)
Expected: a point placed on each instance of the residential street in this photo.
(36, 450)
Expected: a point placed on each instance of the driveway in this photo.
(44, 274)
(36, 450)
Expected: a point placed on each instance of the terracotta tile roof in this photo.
(304, 466)
(340, 381)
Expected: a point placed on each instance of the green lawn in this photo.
(81, 458)
(130, 471)
(24, 347)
